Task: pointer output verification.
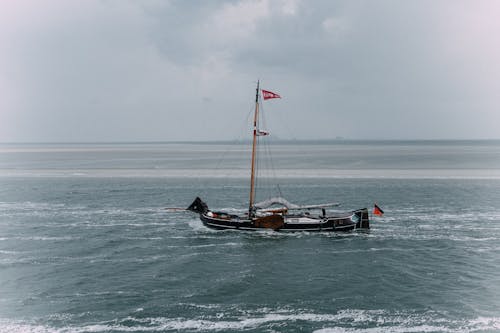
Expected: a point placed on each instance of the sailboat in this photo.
(277, 213)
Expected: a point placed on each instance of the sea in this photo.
(90, 240)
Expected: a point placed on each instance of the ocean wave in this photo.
(42, 238)
(365, 321)
(75, 209)
(461, 217)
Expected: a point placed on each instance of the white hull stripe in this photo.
(281, 229)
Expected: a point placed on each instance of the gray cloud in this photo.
(185, 70)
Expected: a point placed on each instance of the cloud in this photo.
(235, 21)
(126, 70)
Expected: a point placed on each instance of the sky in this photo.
(120, 70)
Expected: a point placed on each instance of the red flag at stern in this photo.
(377, 210)
(269, 94)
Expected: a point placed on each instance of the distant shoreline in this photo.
(276, 141)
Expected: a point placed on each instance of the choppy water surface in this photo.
(81, 252)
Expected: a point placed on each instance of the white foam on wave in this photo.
(21, 327)
(42, 238)
(8, 252)
(30, 205)
(143, 238)
(197, 226)
(385, 329)
(230, 244)
(452, 217)
(485, 323)
(407, 321)
(159, 324)
(475, 325)
(358, 321)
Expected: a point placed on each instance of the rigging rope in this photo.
(272, 180)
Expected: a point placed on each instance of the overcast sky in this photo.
(186, 70)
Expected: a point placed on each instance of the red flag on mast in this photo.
(269, 94)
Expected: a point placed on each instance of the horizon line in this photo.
(277, 140)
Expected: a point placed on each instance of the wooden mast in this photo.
(254, 146)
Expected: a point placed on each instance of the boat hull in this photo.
(346, 222)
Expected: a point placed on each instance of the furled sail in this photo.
(282, 201)
(275, 201)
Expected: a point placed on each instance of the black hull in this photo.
(353, 220)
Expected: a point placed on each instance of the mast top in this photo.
(257, 92)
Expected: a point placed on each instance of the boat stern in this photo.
(363, 219)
